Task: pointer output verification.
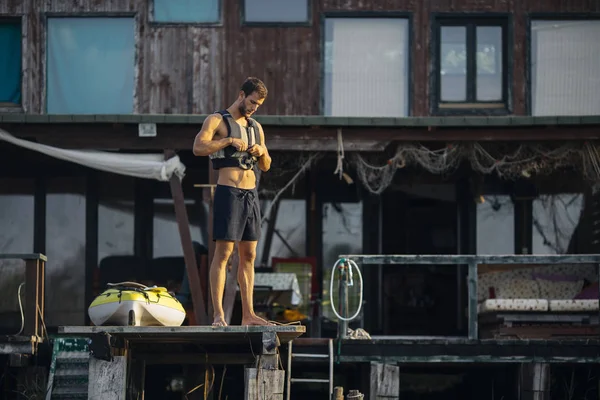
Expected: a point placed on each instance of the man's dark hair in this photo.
(253, 84)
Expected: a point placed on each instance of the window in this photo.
(470, 65)
(90, 65)
(187, 11)
(565, 67)
(10, 63)
(276, 11)
(366, 67)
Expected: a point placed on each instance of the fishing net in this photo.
(507, 160)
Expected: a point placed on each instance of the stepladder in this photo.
(309, 356)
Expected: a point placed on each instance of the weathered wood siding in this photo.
(197, 69)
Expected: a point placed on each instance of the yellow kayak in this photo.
(133, 304)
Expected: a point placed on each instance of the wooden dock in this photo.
(119, 355)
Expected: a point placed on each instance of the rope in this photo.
(340, 154)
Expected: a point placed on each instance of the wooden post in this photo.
(34, 289)
(212, 180)
(338, 393)
(107, 379)
(534, 381)
(385, 381)
(266, 381)
(186, 244)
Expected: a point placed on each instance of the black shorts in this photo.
(236, 214)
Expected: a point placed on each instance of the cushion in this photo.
(518, 289)
(559, 290)
(573, 305)
(532, 305)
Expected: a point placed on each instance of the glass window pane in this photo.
(342, 234)
(90, 65)
(10, 62)
(555, 218)
(489, 63)
(496, 226)
(290, 226)
(186, 11)
(453, 56)
(276, 10)
(565, 67)
(16, 237)
(115, 215)
(65, 248)
(366, 67)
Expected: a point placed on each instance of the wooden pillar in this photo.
(107, 379)
(338, 393)
(384, 381)
(265, 381)
(91, 237)
(212, 180)
(35, 293)
(186, 244)
(534, 381)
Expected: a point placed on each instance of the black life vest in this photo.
(229, 156)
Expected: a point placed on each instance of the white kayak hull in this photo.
(118, 314)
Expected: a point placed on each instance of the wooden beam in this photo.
(292, 138)
(91, 237)
(187, 246)
(212, 180)
(107, 379)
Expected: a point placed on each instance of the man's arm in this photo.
(204, 144)
(264, 161)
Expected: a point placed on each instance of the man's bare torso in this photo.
(234, 176)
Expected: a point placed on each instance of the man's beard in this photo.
(243, 110)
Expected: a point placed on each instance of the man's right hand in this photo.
(239, 144)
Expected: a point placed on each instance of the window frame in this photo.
(471, 22)
(22, 21)
(275, 24)
(137, 50)
(152, 21)
(408, 16)
(537, 16)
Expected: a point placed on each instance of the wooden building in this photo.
(428, 106)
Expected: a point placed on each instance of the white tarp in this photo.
(148, 166)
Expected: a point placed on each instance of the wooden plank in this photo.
(450, 259)
(34, 256)
(385, 381)
(187, 246)
(107, 379)
(472, 299)
(189, 334)
(91, 237)
(534, 381)
(179, 136)
(32, 298)
(263, 384)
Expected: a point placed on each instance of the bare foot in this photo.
(255, 320)
(219, 322)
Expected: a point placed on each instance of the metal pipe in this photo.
(343, 300)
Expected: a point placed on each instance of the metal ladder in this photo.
(291, 380)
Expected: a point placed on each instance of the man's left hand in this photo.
(257, 150)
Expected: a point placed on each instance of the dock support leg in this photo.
(108, 379)
(534, 381)
(384, 382)
(265, 381)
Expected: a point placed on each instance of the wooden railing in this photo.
(472, 261)
(35, 276)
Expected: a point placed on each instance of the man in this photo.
(235, 143)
